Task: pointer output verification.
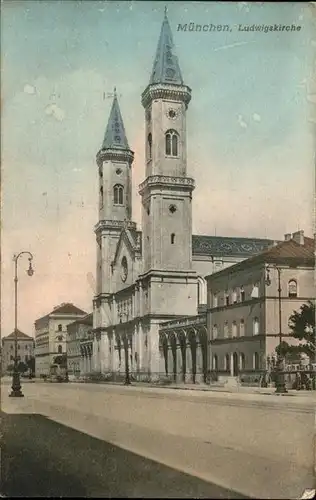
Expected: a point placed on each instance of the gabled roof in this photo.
(219, 246)
(86, 320)
(284, 253)
(65, 308)
(166, 67)
(127, 238)
(115, 136)
(21, 336)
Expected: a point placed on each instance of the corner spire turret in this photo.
(166, 67)
(115, 136)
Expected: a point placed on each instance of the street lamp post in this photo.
(125, 343)
(280, 387)
(16, 384)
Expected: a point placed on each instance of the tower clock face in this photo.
(172, 113)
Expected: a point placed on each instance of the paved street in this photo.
(103, 440)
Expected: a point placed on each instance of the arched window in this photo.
(118, 191)
(150, 143)
(256, 361)
(172, 238)
(60, 328)
(101, 196)
(292, 287)
(242, 361)
(215, 362)
(60, 349)
(227, 363)
(172, 143)
(202, 290)
(256, 326)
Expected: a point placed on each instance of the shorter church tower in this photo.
(114, 162)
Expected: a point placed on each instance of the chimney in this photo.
(287, 237)
(298, 237)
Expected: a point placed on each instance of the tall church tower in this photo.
(114, 162)
(166, 195)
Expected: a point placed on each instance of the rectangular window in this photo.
(215, 300)
(242, 294)
(241, 328)
(215, 332)
(226, 329)
(234, 329)
(227, 298)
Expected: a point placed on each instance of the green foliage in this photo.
(302, 326)
(22, 368)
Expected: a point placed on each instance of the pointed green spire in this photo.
(115, 137)
(166, 67)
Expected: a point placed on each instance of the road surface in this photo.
(160, 443)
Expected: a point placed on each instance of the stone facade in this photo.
(51, 335)
(25, 349)
(244, 312)
(79, 347)
(148, 281)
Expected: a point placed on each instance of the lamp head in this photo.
(268, 279)
(30, 270)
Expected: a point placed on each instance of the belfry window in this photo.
(172, 143)
(118, 192)
(150, 143)
(172, 238)
(101, 196)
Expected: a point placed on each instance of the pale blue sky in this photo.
(249, 143)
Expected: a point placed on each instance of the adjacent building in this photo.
(51, 335)
(245, 310)
(25, 349)
(79, 346)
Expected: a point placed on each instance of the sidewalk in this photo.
(269, 391)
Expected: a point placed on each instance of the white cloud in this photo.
(29, 89)
(55, 111)
(241, 122)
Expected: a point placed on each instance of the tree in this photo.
(31, 364)
(22, 368)
(302, 326)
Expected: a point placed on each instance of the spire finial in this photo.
(115, 92)
(166, 10)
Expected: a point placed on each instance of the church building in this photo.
(149, 278)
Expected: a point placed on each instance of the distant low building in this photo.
(79, 346)
(244, 311)
(25, 349)
(51, 335)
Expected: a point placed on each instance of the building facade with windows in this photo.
(245, 313)
(79, 346)
(148, 279)
(25, 349)
(51, 335)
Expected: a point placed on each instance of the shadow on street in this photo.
(42, 458)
